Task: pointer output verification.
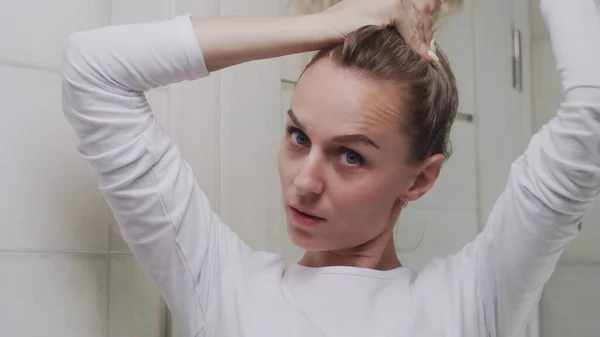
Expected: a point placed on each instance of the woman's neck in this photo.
(379, 254)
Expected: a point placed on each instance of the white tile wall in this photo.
(117, 243)
(55, 295)
(58, 275)
(135, 307)
(33, 31)
(195, 128)
(49, 198)
(130, 11)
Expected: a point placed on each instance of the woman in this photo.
(351, 161)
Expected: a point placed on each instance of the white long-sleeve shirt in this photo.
(218, 287)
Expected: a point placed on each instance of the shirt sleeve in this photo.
(550, 186)
(163, 215)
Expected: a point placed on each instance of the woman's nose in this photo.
(308, 180)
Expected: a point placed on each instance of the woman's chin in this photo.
(305, 240)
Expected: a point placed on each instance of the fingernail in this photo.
(432, 46)
(433, 56)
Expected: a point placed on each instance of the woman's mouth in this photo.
(304, 219)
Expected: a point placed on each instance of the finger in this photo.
(415, 42)
(422, 12)
(412, 31)
(427, 51)
(425, 7)
(426, 29)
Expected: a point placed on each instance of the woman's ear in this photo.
(427, 174)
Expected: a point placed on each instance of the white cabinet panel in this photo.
(464, 19)
(425, 234)
(50, 199)
(456, 187)
(538, 26)
(547, 90)
(499, 135)
(53, 295)
(571, 302)
(33, 32)
(457, 44)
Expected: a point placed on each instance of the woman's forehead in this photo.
(328, 95)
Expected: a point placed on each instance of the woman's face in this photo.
(343, 160)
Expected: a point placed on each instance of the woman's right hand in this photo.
(412, 19)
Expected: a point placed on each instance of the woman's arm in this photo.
(232, 40)
(551, 185)
(163, 215)
(228, 41)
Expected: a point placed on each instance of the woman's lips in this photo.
(304, 219)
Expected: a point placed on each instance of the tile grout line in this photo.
(59, 252)
(170, 8)
(108, 286)
(18, 65)
(109, 246)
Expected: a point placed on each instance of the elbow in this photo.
(73, 55)
(78, 79)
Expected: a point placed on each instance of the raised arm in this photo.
(164, 216)
(551, 185)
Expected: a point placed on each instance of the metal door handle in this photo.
(517, 61)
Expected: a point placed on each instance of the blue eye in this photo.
(351, 158)
(298, 137)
